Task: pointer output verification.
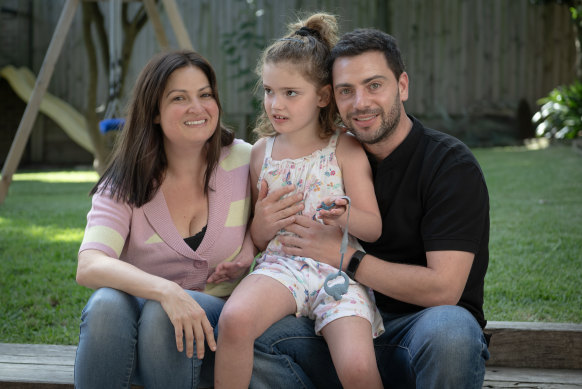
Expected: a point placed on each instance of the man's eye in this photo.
(375, 85)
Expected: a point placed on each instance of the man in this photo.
(428, 267)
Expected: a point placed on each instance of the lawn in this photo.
(534, 272)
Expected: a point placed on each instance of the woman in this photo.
(168, 216)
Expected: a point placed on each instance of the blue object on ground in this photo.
(107, 125)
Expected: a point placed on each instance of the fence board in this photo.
(463, 57)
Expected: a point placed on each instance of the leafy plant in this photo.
(241, 47)
(560, 115)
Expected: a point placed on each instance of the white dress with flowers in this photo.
(317, 176)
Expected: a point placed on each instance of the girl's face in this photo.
(188, 111)
(291, 101)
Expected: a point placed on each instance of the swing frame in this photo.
(48, 65)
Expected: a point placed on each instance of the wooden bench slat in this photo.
(534, 376)
(535, 345)
(523, 355)
(52, 374)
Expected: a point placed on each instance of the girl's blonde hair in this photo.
(307, 45)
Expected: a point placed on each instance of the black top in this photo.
(195, 240)
(432, 196)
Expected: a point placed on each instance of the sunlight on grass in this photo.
(60, 176)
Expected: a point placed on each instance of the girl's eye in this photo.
(268, 91)
(291, 93)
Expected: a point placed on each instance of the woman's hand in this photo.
(273, 213)
(189, 321)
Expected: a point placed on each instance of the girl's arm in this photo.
(365, 222)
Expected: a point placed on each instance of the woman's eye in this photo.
(268, 91)
(291, 93)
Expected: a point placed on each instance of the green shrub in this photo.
(560, 115)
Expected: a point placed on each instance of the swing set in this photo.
(46, 71)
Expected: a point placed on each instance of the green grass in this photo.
(536, 234)
(41, 226)
(534, 272)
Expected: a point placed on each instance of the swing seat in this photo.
(113, 124)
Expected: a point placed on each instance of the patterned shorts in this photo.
(304, 277)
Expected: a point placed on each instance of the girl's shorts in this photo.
(304, 278)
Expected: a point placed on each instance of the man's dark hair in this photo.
(363, 40)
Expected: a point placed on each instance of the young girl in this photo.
(300, 147)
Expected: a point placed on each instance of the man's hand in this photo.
(313, 240)
(273, 213)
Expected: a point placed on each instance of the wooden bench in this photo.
(523, 355)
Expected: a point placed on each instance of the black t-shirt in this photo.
(432, 196)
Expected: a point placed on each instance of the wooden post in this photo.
(31, 111)
(177, 24)
(154, 16)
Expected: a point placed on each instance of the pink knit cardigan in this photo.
(147, 238)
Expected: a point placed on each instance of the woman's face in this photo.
(188, 111)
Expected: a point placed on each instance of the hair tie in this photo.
(304, 31)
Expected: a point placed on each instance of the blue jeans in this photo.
(439, 347)
(126, 339)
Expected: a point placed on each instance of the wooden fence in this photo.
(464, 57)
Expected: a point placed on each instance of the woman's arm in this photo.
(96, 270)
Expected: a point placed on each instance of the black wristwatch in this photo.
(354, 263)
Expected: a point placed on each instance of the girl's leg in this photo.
(160, 363)
(256, 303)
(352, 351)
(106, 355)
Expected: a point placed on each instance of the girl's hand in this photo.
(189, 321)
(227, 271)
(335, 215)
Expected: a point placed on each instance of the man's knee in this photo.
(452, 331)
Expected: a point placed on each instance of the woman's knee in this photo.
(109, 309)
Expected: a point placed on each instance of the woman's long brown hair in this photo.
(139, 162)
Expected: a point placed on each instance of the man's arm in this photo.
(441, 282)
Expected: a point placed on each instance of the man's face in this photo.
(368, 95)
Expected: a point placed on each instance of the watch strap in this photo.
(355, 261)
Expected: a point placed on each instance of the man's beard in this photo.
(387, 127)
